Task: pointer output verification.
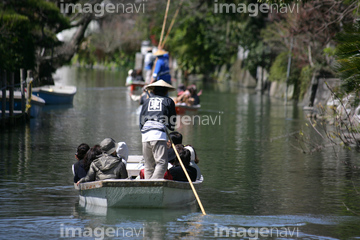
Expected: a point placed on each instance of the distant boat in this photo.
(36, 103)
(182, 108)
(137, 193)
(136, 84)
(53, 94)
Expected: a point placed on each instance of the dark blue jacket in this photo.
(162, 70)
(79, 170)
(160, 109)
(178, 174)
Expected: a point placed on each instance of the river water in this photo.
(258, 182)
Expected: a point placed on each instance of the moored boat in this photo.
(53, 94)
(137, 193)
(36, 103)
(182, 108)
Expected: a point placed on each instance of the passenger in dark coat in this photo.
(108, 165)
(79, 167)
(177, 172)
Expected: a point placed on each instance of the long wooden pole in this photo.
(171, 24)
(187, 175)
(164, 24)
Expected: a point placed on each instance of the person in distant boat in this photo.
(108, 165)
(130, 78)
(148, 63)
(78, 168)
(181, 89)
(161, 70)
(177, 172)
(138, 76)
(194, 96)
(189, 97)
(157, 113)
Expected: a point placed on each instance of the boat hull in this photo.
(137, 193)
(182, 109)
(56, 94)
(36, 103)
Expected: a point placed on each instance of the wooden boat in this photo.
(36, 103)
(136, 89)
(137, 193)
(182, 109)
(56, 94)
(136, 84)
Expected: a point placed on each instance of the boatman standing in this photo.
(161, 70)
(157, 114)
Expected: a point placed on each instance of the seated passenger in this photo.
(176, 138)
(138, 76)
(177, 172)
(130, 78)
(181, 89)
(189, 96)
(194, 160)
(194, 97)
(122, 151)
(93, 153)
(108, 165)
(78, 168)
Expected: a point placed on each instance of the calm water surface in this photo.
(255, 176)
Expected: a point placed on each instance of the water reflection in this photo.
(149, 223)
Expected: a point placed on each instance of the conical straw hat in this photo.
(160, 52)
(159, 83)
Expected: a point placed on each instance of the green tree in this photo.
(16, 45)
(205, 38)
(348, 58)
(309, 33)
(29, 28)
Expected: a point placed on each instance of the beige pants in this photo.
(156, 159)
